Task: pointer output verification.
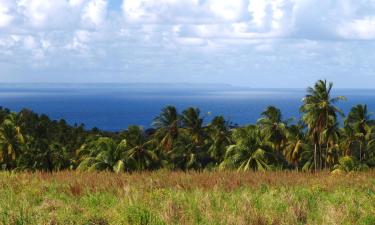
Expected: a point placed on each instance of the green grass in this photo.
(187, 198)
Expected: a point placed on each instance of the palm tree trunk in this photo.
(360, 152)
(325, 156)
(315, 157)
(320, 157)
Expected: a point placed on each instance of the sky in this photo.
(254, 43)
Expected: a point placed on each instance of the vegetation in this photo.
(181, 170)
(182, 141)
(224, 197)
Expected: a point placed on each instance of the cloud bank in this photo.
(186, 40)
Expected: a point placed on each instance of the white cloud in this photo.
(183, 11)
(42, 13)
(5, 13)
(358, 29)
(143, 31)
(155, 11)
(237, 19)
(258, 12)
(95, 12)
(57, 14)
(228, 10)
(76, 3)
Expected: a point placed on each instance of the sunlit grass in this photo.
(187, 198)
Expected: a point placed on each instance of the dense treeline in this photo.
(181, 141)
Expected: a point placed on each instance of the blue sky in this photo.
(256, 43)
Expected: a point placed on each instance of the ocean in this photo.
(113, 107)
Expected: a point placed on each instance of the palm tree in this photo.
(41, 155)
(348, 140)
(272, 127)
(102, 154)
(167, 125)
(218, 138)
(319, 112)
(11, 143)
(331, 136)
(359, 119)
(185, 154)
(248, 152)
(141, 153)
(4, 112)
(192, 121)
(54, 157)
(370, 146)
(296, 144)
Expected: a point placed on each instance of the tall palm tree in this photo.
(167, 125)
(185, 154)
(370, 146)
(331, 136)
(319, 111)
(54, 157)
(192, 121)
(248, 152)
(218, 138)
(348, 140)
(140, 153)
(273, 127)
(11, 143)
(296, 144)
(359, 120)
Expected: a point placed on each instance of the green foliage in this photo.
(248, 152)
(141, 216)
(11, 142)
(184, 141)
(346, 164)
(320, 114)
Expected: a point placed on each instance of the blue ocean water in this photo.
(114, 107)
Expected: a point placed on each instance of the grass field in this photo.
(187, 198)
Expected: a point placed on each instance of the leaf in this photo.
(119, 167)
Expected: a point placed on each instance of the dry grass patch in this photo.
(164, 197)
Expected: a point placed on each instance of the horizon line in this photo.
(167, 83)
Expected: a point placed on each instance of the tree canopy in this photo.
(318, 140)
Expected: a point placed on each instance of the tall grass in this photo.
(187, 198)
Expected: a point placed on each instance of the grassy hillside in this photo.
(187, 198)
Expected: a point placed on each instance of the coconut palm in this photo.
(185, 154)
(4, 112)
(39, 154)
(359, 120)
(331, 136)
(248, 152)
(192, 122)
(348, 140)
(103, 154)
(54, 157)
(296, 144)
(11, 143)
(167, 125)
(273, 127)
(370, 147)
(141, 153)
(218, 138)
(319, 112)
